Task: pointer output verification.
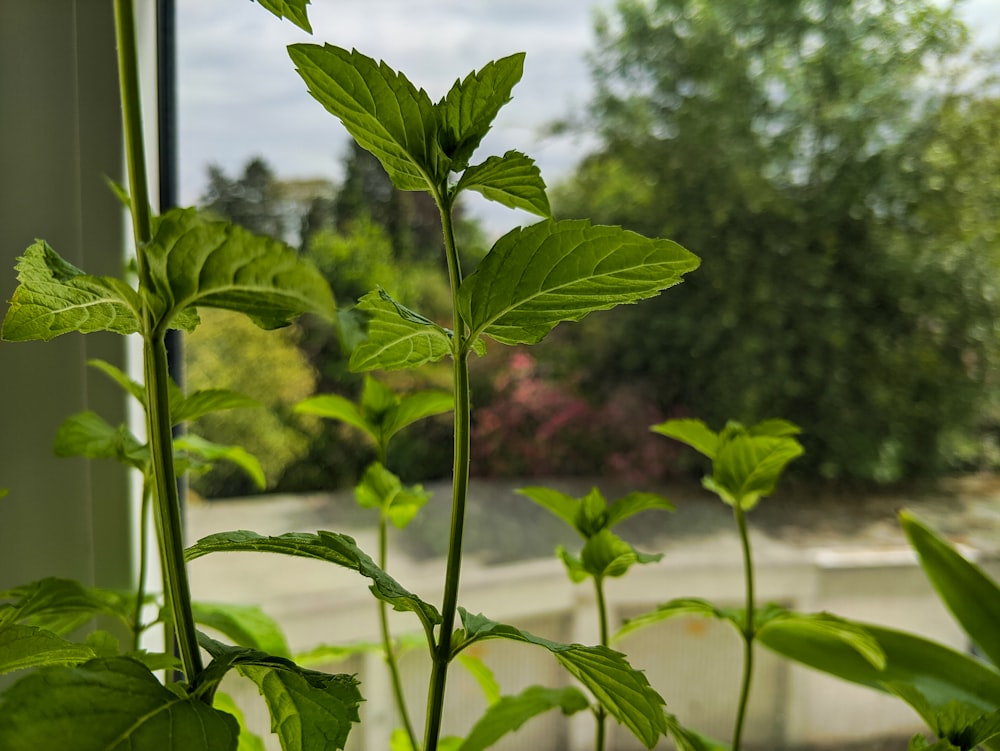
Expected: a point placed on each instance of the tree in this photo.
(818, 159)
(250, 200)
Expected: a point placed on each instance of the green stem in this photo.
(441, 653)
(140, 588)
(390, 655)
(600, 715)
(748, 632)
(166, 504)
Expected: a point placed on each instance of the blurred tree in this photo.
(250, 200)
(844, 197)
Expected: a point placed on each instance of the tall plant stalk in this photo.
(383, 612)
(600, 715)
(748, 630)
(166, 503)
(441, 654)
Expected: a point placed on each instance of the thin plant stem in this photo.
(748, 632)
(166, 504)
(441, 652)
(390, 655)
(140, 587)
(600, 715)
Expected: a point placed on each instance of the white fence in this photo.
(693, 663)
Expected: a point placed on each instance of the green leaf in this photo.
(206, 401)
(381, 489)
(483, 676)
(336, 407)
(55, 297)
(309, 709)
(689, 740)
(195, 446)
(961, 724)
(560, 271)
(676, 607)
(468, 110)
(248, 741)
(293, 10)
(623, 691)
(965, 589)
(323, 546)
(414, 407)
(383, 413)
(247, 625)
(843, 631)
(111, 703)
(136, 389)
(194, 262)
(385, 113)
(31, 647)
(396, 341)
(575, 569)
(511, 712)
(560, 504)
(88, 434)
(939, 673)
(633, 503)
(694, 433)
(512, 180)
(62, 605)
(606, 554)
(747, 466)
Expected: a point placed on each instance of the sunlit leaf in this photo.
(414, 407)
(31, 647)
(512, 180)
(385, 113)
(468, 110)
(110, 703)
(396, 341)
(511, 712)
(963, 587)
(534, 278)
(54, 297)
(196, 262)
(623, 691)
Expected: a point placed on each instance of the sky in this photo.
(239, 95)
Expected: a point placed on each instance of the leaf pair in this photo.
(604, 553)
(90, 435)
(746, 462)
(381, 413)
(421, 143)
(190, 262)
(533, 279)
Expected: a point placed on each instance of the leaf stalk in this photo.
(748, 632)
